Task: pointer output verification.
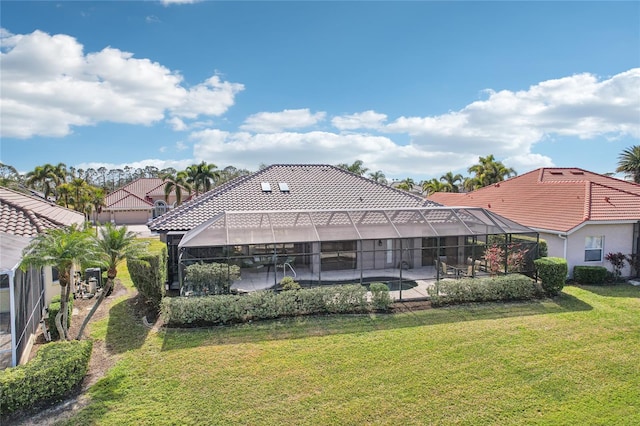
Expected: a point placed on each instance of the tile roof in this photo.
(28, 216)
(311, 187)
(556, 199)
(135, 195)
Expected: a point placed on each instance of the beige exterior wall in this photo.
(617, 238)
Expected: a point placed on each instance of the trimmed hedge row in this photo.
(552, 272)
(590, 274)
(56, 369)
(260, 305)
(54, 308)
(502, 288)
(149, 273)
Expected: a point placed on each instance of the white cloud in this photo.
(177, 124)
(152, 19)
(510, 123)
(272, 122)
(171, 2)
(363, 120)
(181, 146)
(160, 164)
(49, 85)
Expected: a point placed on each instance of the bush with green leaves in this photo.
(260, 305)
(552, 272)
(148, 273)
(288, 283)
(487, 289)
(210, 278)
(590, 274)
(54, 308)
(57, 368)
(380, 297)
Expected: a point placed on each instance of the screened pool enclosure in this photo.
(409, 249)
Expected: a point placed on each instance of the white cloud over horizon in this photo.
(49, 85)
(273, 122)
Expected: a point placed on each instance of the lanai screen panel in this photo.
(268, 227)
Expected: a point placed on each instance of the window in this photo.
(593, 249)
(4, 281)
(55, 274)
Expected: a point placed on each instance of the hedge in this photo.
(590, 274)
(552, 272)
(487, 289)
(260, 305)
(54, 308)
(149, 273)
(56, 369)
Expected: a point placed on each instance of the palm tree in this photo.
(629, 163)
(378, 177)
(9, 176)
(487, 172)
(406, 184)
(450, 182)
(202, 176)
(80, 188)
(355, 168)
(113, 246)
(42, 178)
(97, 201)
(62, 248)
(431, 186)
(176, 183)
(64, 192)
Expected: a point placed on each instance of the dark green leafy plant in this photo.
(552, 272)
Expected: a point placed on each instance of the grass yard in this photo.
(572, 360)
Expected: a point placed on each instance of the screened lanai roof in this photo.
(296, 226)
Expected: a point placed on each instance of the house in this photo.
(581, 215)
(320, 224)
(23, 294)
(138, 202)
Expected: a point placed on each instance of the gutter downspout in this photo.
(12, 319)
(564, 251)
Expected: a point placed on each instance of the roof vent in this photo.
(266, 187)
(553, 172)
(577, 172)
(284, 187)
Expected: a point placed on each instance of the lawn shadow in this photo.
(613, 290)
(317, 325)
(125, 330)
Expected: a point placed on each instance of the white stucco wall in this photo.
(617, 238)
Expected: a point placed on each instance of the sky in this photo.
(414, 89)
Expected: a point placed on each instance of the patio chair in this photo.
(469, 272)
(446, 271)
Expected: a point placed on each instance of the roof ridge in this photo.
(586, 214)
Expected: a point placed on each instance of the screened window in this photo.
(55, 274)
(593, 249)
(4, 281)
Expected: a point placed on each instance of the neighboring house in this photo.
(23, 294)
(138, 202)
(582, 215)
(320, 223)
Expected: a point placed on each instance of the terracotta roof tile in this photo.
(135, 195)
(28, 216)
(310, 187)
(555, 198)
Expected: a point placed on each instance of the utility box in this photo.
(93, 273)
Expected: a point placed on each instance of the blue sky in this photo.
(414, 89)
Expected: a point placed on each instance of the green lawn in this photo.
(572, 360)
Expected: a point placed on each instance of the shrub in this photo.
(288, 283)
(552, 272)
(634, 262)
(260, 305)
(503, 288)
(56, 369)
(590, 274)
(149, 274)
(54, 308)
(380, 298)
(210, 278)
(617, 261)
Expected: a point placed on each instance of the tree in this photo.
(431, 186)
(9, 176)
(406, 184)
(97, 201)
(113, 246)
(629, 163)
(176, 183)
(62, 248)
(202, 176)
(450, 182)
(44, 178)
(378, 177)
(355, 168)
(487, 172)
